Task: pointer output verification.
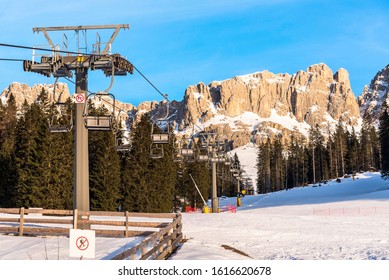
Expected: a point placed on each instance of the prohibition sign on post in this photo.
(80, 98)
(82, 243)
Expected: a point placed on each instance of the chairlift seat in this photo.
(123, 148)
(160, 138)
(218, 160)
(60, 128)
(178, 159)
(187, 152)
(203, 157)
(190, 158)
(55, 124)
(156, 152)
(98, 122)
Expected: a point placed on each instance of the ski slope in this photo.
(336, 221)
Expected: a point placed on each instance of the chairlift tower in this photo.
(62, 63)
(216, 150)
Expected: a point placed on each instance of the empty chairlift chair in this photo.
(123, 144)
(177, 156)
(159, 138)
(203, 148)
(61, 119)
(97, 121)
(187, 152)
(156, 151)
(123, 139)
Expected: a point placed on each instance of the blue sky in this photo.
(177, 43)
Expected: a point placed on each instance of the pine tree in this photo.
(296, 162)
(147, 184)
(317, 154)
(352, 155)
(263, 167)
(28, 190)
(62, 161)
(43, 160)
(340, 149)
(104, 168)
(161, 180)
(7, 151)
(384, 139)
(375, 147)
(277, 165)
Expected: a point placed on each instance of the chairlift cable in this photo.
(163, 95)
(11, 59)
(40, 49)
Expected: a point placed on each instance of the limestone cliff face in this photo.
(316, 95)
(249, 107)
(23, 92)
(372, 97)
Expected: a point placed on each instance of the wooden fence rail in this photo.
(162, 231)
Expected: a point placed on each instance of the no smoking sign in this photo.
(79, 98)
(82, 243)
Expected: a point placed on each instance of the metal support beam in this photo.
(113, 36)
(48, 39)
(81, 27)
(81, 161)
(117, 28)
(215, 200)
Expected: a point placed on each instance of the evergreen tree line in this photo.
(36, 165)
(317, 159)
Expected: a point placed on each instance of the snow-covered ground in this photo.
(337, 221)
(247, 155)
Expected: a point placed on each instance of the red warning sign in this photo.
(80, 98)
(82, 243)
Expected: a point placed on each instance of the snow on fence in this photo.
(162, 231)
(350, 211)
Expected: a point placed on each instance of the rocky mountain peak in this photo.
(23, 92)
(372, 97)
(273, 101)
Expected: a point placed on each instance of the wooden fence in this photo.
(162, 231)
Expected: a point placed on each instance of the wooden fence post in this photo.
(75, 218)
(21, 221)
(143, 250)
(126, 224)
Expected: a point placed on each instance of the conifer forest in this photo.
(36, 165)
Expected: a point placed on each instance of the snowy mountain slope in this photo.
(336, 221)
(247, 155)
